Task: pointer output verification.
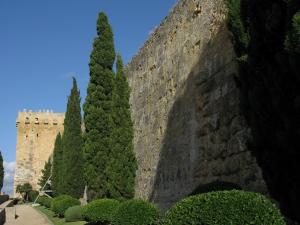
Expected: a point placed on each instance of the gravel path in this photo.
(26, 216)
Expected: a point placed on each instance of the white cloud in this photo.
(9, 173)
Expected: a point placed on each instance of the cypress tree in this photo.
(122, 164)
(1, 171)
(46, 172)
(72, 146)
(97, 110)
(56, 179)
(293, 38)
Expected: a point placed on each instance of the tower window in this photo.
(27, 120)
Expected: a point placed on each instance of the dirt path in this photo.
(26, 216)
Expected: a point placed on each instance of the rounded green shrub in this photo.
(100, 211)
(224, 207)
(62, 203)
(136, 212)
(74, 213)
(32, 195)
(58, 198)
(45, 201)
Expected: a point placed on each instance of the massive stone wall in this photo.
(189, 130)
(36, 133)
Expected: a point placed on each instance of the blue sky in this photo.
(44, 43)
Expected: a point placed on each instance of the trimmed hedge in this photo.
(62, 203)
(45, 201)
(58, 198)
(74, 214)
(224, 207)
(100, 211)
(32, 195)
(136, 212)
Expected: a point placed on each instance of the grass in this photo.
(54, 219)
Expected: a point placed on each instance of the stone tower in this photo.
(36, 133)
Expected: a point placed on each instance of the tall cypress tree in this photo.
(56, 179)
(46, 172)
(1, 171)
(97, 110)
(72, 146)
(122, 165)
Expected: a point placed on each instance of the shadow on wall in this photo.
(215, 186)
(206, 137)
(242, 129)
(270, 97)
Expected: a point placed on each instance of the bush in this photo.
(224, 207)
(74, 213)
(237, 27)
(292, 42)
(45, 201)
(32, 195)
(60, 204)
(58, 198)
(136, 212)
(101, 210)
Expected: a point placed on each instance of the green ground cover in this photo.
(54, 219)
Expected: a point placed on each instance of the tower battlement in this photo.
(36, 134)
(41, 117)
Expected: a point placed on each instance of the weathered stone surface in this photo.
(35, 142)
(189, 130)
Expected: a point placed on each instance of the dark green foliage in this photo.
(122, 163)
(74, 213)
(1, 171)
(237, 26)
(97, 110)
(40, 200)
(72, 142)
(60, 204)
(136, 212)
(270, 72)
(24, 190)
(46, 172)
(224, 207)
(45, 201)
(293, 39)
(32, 195)
(60, 197)
(57, 179)
(100, 211)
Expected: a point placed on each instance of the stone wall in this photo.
(36, 133)
(189, 130)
